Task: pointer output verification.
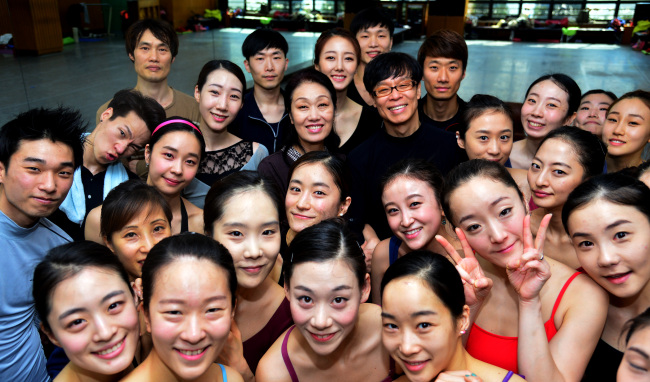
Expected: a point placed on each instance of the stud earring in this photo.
(462, 332)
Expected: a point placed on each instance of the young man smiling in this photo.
(373, 30)
(443, 57)
(39, 151)
(393, 79)
(263, 117)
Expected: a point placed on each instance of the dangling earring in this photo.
(444, 221)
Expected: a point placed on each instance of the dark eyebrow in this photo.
(387, 315)
(613, 225)
(77, 310)
(641, 352)
(423, 313)
(42, 161)
(111, 295)
(491, 205)
(71, 312)
(616, 224)
(128, 130)
(487, 132)
(321, 184)
(554, 163)
(32, 159)
(338, 288)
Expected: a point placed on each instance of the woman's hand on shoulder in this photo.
(530, 271)
(476, 285)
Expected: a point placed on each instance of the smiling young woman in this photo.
(84, 299)
(627, 130)
(188, 290)
(220, 91)
(425, 317)
(336, 335)
(535, 320)
(608, 220)
(337, 54)
(565, 158)
(551, 102)
(242, 212)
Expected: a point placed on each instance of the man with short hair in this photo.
(124, 129)
(263, 117)
(393, 79)
(374, 30)
(39, 152)
(443, 57)
(152, 46)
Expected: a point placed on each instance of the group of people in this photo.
(342, 228)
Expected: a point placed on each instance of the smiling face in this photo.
(267, 67)
(325, 299)
(133, 242)
(373, 42)
(442, 77)
(627, 128)
(545, 109)
(173, 162)
(491, 214)
(189, 315)
(635, 365)
(413, 212)
(250, 230)
(152, 58)
(488, 136)
(419, 331)
(554, 173)
(612, 243)
(93, 318)
(338, 61)
(592, 111)
(220, 99)
(398, 108)
(37, 180)
(313, 196)
(312, 113)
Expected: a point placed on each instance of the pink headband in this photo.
(176, 121)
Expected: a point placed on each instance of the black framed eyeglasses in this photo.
(385, 91)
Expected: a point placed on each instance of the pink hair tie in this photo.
(176, 121)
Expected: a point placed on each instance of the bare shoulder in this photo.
(92, 229)
(271, 367)
(370, 319)
(582, 285)
(233, 375)
(195, 217)
(381, 251)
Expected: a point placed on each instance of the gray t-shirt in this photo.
(21, 353)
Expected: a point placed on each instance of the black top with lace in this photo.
(217, 164)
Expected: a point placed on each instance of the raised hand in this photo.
(233, 352)
(477, 286)
(529, 273)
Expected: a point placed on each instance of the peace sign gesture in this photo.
(476, 285)
(529, 273)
